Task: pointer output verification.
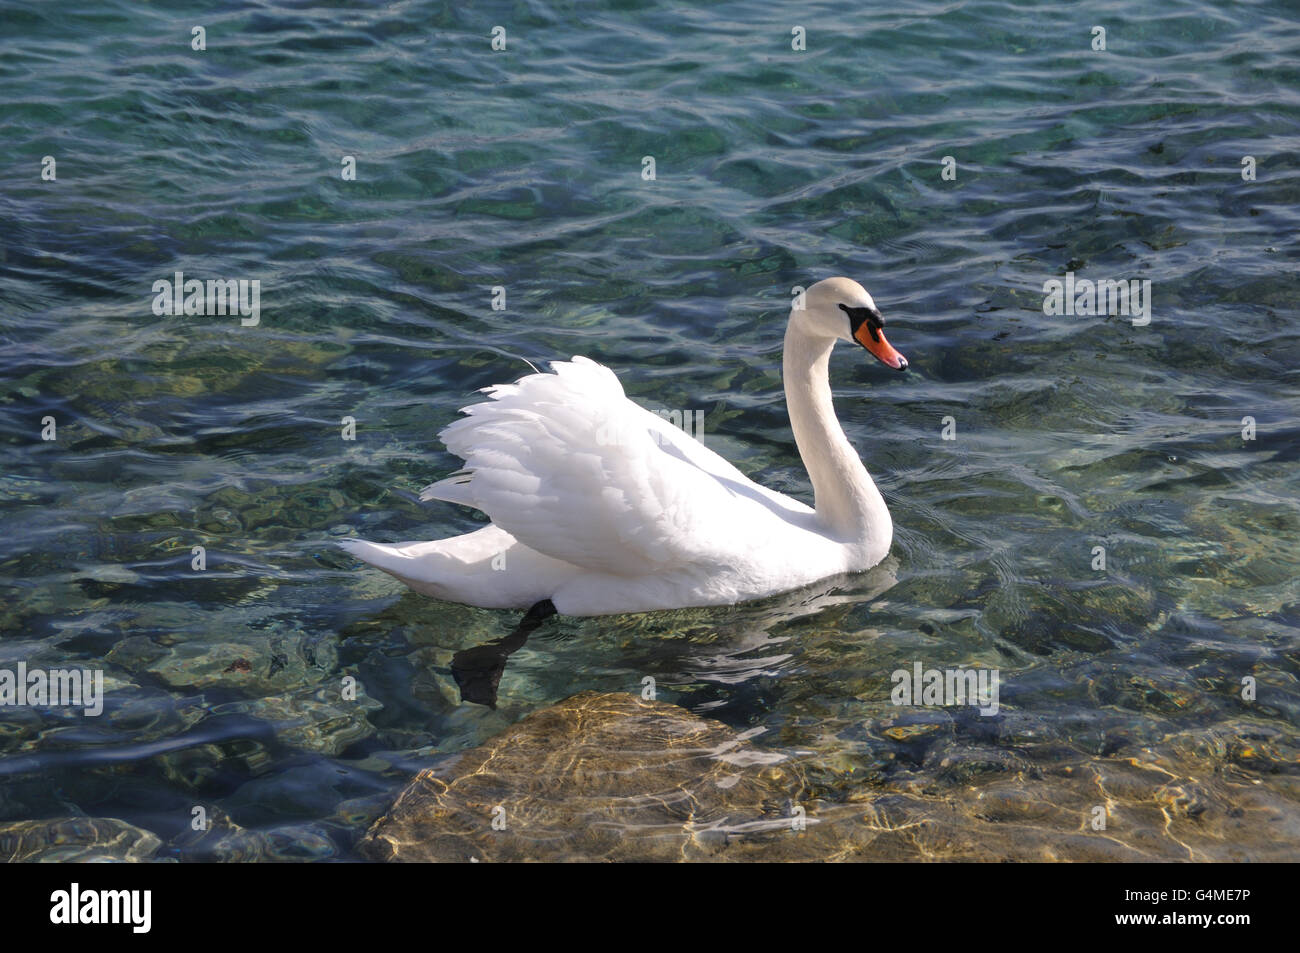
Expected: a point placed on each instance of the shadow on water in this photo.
(738, 655)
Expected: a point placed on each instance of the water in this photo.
(523, 169)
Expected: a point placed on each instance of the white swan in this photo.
(600, 506)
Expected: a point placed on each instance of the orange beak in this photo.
(874, 341)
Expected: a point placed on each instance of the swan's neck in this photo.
(846, 498)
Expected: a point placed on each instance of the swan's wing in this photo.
(567, 465)
(682, 444)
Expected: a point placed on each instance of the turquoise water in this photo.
(774, 168)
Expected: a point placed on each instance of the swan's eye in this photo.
(870, 321)
(868, 316)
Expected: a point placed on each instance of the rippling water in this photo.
(774, 168)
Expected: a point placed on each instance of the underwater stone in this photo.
(595, 777)
(76, 839)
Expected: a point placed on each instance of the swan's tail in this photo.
(486, 568)
(396, 559)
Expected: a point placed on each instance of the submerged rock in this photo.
(75, 839)
(595, 777)
(609, 777)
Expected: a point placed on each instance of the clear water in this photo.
(774, 168)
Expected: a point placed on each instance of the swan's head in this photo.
(841, 308)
